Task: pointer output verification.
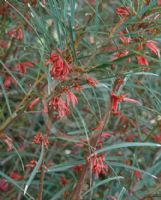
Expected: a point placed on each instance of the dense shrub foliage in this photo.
(80, 99)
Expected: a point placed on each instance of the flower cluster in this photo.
(96, 163)
(40, 138)
(59, 68)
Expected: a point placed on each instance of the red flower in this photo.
(59, 106)
(45, 109)
(16, 176)
(71, 97)
(78, 168)
(3, 44)
(15, 33)
(157, 138)
(31, 164)
(8, 80)
(159, 2)
(123, 11)
(78, 87)
(59, 68)
(39, 139)
(125, 40)
(96, 162)
(3, 185)
(153, 47)
(118, 99)
(137, 175)
(91, 81)
(142, 60)
(63, 181)
(23, 65)
(19, 34)
(121, 54)
(4, 9)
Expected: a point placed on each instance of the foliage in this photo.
(80, 99)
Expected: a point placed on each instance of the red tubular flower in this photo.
(40, 138)
(63, 181)
(97, 165)
(157, 138)
(16, 176)
(59, 106)
(125, 40)
(78, 87)
(15, 33)
(142, 60)
(159, 2)
(33, 103)
(91, 81)
(19, 34)
(59, 68)
(31, 164)
(70, 97)
(45, 109)
(137, 175)
(8, 80)
(3, 44)
(23, 65)
(121, 54)
(3, 184)
(123, 11)
(78, 168)
(118, 99)
(153, 47)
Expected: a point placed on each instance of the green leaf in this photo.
(34, 172)
(102, 183)
(13, 182)
(127, 144)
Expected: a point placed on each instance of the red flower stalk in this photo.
(123, 11)
(23, 65)
(3, 185)
(150, 44)
(59, 106)
(59, 68)
(97, 165)
(118, 99)
(142, 60)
